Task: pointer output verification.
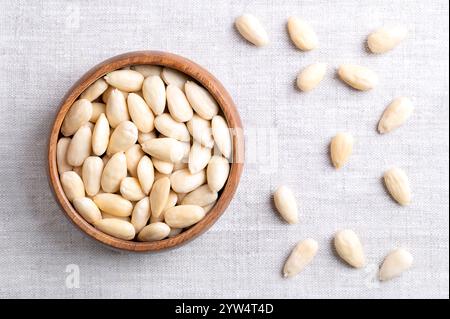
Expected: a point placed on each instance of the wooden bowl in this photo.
(229, 110)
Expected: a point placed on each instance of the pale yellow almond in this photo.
(174, 77)
(80, 146)
(131, 189)
(140, 113)
(302, 34)
(182, 181)
(221, 134)
(178, 105)
(72, 185)
(202, 196)
(79, 114)
(166, 149)
(183, 216)
(159, 196)
(113, 204)
(302, 255)
(395, 114)
(167, 126)
(171, 202)
(116, 109)
(113, 173)
(153, 232)
(100, 135)
(395, 263)
(116, 228)
(162, 166)
(341, 147)
(397, 183)
(201, 131)
(252, 30)
(107, 94)
(87, 209)
(201, 100)
(349, 248)
(140, 214)
(147, 70)
(386, 38)
(286, 204)
(125, 80)
(217, 172)
(97, 109)
(133, 155)
(61, 155)
(145, 173)
(91, 174)
(358, 77)
(310, 77)
(94, 90)
(199, 157)
(154, 92)
(143, 137)
(122, 138)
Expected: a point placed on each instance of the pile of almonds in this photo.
(144, 153)
(347, 243)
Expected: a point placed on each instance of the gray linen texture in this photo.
(45, 46)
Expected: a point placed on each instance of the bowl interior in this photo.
(229, 111)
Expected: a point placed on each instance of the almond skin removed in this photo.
(386, 38)
(349, 248)
(303, 253)
(395, 114)
(341, 148)
(395, 263)
(358, 77)
(252, 30)
(302, 34)
(310, 77)
(397, 184)
(286, 205)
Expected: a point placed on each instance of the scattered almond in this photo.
(341, 147)
(252, 30)
(395, 263)
(303, 253)
(358, 77)
(386, 38)
(349, 248)
(302, 34)
(395, 114)
(397, 184)
(286, 204)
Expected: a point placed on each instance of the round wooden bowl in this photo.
(229, 110)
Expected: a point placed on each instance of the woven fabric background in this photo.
(45, 46)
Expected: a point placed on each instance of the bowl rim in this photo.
(230, 113)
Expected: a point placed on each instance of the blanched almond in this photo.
(200, 129)
(286, 204)
(79, 114)
(145, 174)
(171, 202)
(140, 113)
(131, 189)
(154, 231)
(116, 228)
(303, 253)
(217, 172)
(358, 77)
(113, 173)
(122, 138)
(147, 70)
(162, 167)
(113, 204)
(386, 38)
(61, 155)
(159, 196)
(140, 214)
(174, 77)
(154, 93)
(202, 196)
(167, 126)
(133, 155)
(341, 147)
(94, 90)
(395, 114)
(143, 137)
(92, 173)
(183, 216)
(183, 181)
(221, 134)
(166, 149)
(97, 109)
(397, 184)
(395, 263)
(199, 157)
(100, 135)
(72, 185)
(125, 80)
(87, 209)
(201, 100)
(80, 146)
(178, 104)
(107, 94)
(302, 34)
(116, 109)
(349, 248)
(252, 30)
(310, 77)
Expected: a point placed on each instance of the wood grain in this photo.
(229, 110)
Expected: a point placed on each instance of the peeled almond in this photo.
(107, 94)
(302, 34)
(167, 126)
(310, 77)
(116, 228)
(80, 146)
(153, 232)
(79, 114)
(286, 204)
(133, 155)
(200, 129)
(61, 155)
(386, 38)
(113, 204)
(217, 172)
(116, 109)
(94, 90)
(183, 181)
(100, 135)
(72, 185)
(174, 77)
(252, 30)
(92, 173)
(395, 114)
(124, 218)
(113, 173)
(221, 134)
(140, 214)
(341, 147)
(303, 253)
(140, 113)
(166, 149)
(125, 80)
(201, 100)
(147, 70)
(349, 248)
(162, 167)
(145, 173)
(131, 189)
(397, 184)
(143, 137)
(178, 105)
(199, 157)
(395, 263)
(183, 216)
(202, 196)
(97, 109)
(122, 138)
(87, 209)
(358, 77)
(159, 196)
(154, 93)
